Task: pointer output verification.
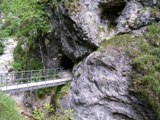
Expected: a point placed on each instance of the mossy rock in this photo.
(144, 52)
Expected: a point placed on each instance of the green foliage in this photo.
(49, 111)
(41, 93)
(24, 18)
(41, 114)
(28, 21)
(17, 66)
(58, 93)
(153, 35)
(8, 109)
(23, 59)
(63, 115)
(145, 54)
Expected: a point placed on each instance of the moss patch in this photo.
(144, 52)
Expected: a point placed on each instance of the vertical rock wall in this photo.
(100, 89)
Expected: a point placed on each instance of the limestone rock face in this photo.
(51, 48)
(78, 34)
(89, 18)
(66, 40)
(128, 17)
(100, 89)
(75, 43)
(150, 3)
(95, 16)
(135, 16)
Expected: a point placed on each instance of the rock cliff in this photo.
(101, 84)
(100, 89)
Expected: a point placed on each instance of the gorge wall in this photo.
(100, 89)
(101, 84)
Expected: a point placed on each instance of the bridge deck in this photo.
(35, 85)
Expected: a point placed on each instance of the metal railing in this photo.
(30, 76)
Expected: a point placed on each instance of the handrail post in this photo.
(45, 75)
(31, 77)
(54, 73)
(28, 77)
(22, 78)
(17, 81)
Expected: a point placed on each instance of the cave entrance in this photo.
(66, 63)
(111, 12)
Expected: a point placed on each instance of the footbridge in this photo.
(22, 81)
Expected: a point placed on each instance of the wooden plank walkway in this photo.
(35, 85)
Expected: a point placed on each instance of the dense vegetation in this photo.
(27, 21)
(144, 52)
(23, 18)
(49, 111)
(8, 109)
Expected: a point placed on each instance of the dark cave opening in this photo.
(66, 63)
(111, 13)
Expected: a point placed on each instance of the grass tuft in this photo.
(8, 109)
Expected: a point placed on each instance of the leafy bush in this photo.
(42, 114)
(28, 21)
(63, 115)
(56, 92)
(8, 109)
(23, 57)
(24, 18)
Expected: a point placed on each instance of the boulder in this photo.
(100, 89)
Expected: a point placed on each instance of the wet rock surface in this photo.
(100, 89)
